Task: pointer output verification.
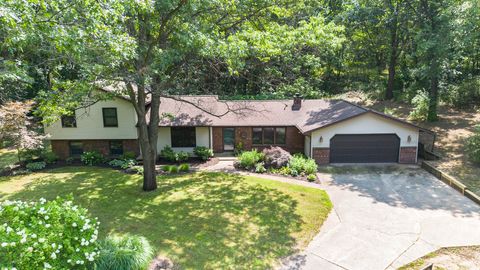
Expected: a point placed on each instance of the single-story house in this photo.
(329, 131)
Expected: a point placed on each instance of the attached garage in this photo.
(368, 137)
(364, 148)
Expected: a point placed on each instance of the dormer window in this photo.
(110, 118)
(69, 121)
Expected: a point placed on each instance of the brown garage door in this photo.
(364, 148)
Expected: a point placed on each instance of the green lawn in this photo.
(7, 157)
(200, 221)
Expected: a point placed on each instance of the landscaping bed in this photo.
(277, 161)
(199, 221)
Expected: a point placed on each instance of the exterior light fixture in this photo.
(409, 138)
(321, 139)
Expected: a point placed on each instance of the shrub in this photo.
(116, 163)
(29, 154)
(129, 155)
(69, 160)
(473, 146)
(92, 158)
(36, 166)
(46, 234)
(168, 154)
(311, 177)
(259, 168)
(299, 164)
(49, 157)
(276, 157)
(203, 152)
(182, 156)
(137, 169)
(172, 169)
(185, 167)
(421, 103)
(464, 95)
(165, 168)
(248, 159)
(238, 150)
(126, 252)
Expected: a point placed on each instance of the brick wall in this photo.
(217, 139)
(321, 155)
(62, 149)
(408, 155)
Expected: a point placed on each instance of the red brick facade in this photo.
(294, 139)
(408, 155)
(321, 155)
(62, 148)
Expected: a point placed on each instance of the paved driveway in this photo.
(387, 216)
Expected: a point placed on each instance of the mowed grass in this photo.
(200, 221)
(7, 157)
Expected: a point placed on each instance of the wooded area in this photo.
(419, 51)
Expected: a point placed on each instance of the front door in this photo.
(228, 139)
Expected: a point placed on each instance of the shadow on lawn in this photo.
(202, 221)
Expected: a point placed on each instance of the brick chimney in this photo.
(297, 102)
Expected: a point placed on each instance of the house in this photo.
(330, 131)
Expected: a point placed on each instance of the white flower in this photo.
(74, 224)
(41, 240)
(42, 200)
(46, 265)
(30, 249)
(4, 244)
(53, 245)
(47, 217)
(53, 256)
(33, 236)
(47, 225)
(23, 240)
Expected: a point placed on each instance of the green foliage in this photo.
(70, 160)
(312, 177)
(238, 149)
(49, 157)
(29, 155)
(260, 168)
(299, 164)
(473, 146)
(46, 235)
(125, 252)
(92, 158)
(138, 169)
(182, 156)
(464, 95)
(129, 155)
(249, 159)
(185, 167)
(172, 169)
(168, 154)
(203, 152)
(123, 163)
(421, 102)
(36, 166)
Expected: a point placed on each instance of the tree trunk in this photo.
(149, 174)
(393, 58)
(433, 102)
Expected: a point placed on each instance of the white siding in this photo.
(90, 123)
(366, 124)
(202, 135)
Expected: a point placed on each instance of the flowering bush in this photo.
(46, 235)
(92, 158)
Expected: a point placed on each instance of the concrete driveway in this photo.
(387, 216)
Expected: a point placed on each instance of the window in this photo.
(110, 117)
(280, 135)
(183, 136)
(257, 136)
(69, 121)
(76, 148)
(268, 135)
(116, 148)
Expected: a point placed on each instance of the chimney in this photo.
(297, 102)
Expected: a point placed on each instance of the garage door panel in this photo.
(364, 148)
